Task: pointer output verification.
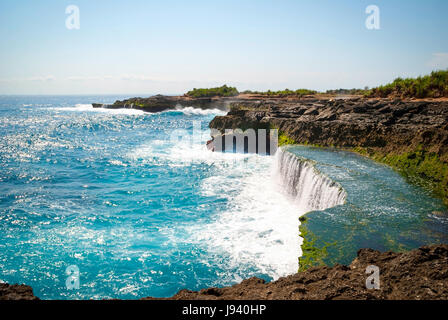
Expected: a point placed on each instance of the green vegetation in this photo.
(421, 167)
(223, 91)
(349, 91)
(283, 139)
(434, 85)
(312, 255)
(284, 93)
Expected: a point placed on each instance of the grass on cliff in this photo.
(434, 85)
(284, 140)
(223, 91)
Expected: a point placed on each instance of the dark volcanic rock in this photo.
(16, 292)
(160, 103)
(420, 274)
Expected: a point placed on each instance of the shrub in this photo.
(434, 85)
(223, 91)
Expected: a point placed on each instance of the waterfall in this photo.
(310, 189)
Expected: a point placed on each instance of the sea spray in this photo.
(141, 215)
(259, 227)
(309, 189)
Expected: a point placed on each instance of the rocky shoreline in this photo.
(159, 103)
(420, 274)
(409, 135)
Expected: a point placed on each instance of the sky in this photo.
(170, 47)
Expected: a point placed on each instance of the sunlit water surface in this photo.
(141, 213)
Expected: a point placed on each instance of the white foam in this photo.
(90, 108)
(267, 195)
(310, 189)
(197, 111)
(184, 151)
(260, 226)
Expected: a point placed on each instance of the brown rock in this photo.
(420, 274)
(16, 292)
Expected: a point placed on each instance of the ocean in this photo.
(140, 207)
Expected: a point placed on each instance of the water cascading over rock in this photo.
(310, 189)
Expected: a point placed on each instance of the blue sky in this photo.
(146, 47)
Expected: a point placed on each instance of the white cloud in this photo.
(439, 60)
(41, 78)
(126, 77)
(87, 78)
(136, 77)
(34, 79)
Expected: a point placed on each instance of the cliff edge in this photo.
(16, 292)
(420, 274)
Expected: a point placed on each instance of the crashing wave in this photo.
(310, 189)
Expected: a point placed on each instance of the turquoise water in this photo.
(382, 211)
(142, 208)
(138, 212)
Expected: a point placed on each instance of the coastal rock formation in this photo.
(348, 123)
(160, 103)
(421, 274)
(16, 292)
(409, 135)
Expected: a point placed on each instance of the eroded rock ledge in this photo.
(421, 274)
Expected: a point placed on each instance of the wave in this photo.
(197, 111)
(183, 152)
(260, 226)
(90, 108)
(129, 111)
(257, 230)
(310, 189)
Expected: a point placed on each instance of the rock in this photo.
(311, 111)
(393, 126)
(159, 103)
(415, 275)
(16, 292)
(420, 274)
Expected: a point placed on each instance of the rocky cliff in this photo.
(160, 103)
(411, 136)
(16, 292)
(420, 274)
